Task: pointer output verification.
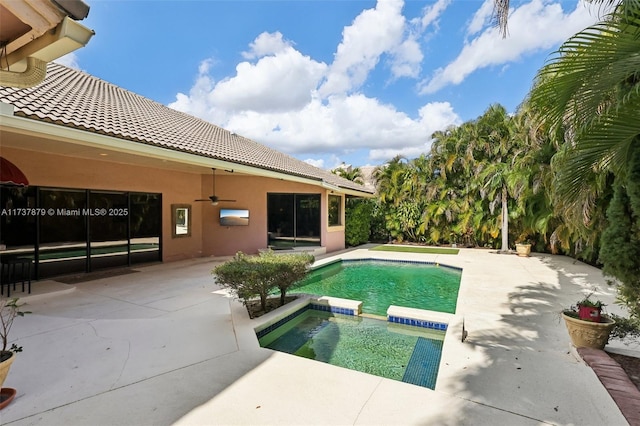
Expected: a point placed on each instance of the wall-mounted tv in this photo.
(234, 217)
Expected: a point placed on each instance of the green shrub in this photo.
(251, 276)
(358, 223)
(620, 249)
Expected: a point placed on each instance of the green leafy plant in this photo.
(625, 328)
(258, 276)
(590, 303)
(9, 310)
(358, 221)
(573, 311)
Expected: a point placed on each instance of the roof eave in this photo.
(82, 137)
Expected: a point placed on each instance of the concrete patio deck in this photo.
(165, 346)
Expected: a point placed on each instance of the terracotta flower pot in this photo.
(588, 334)
(4, 365)
(6, 396)
(523, 250)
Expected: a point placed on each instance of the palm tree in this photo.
(501, 10)
(389, 180)
(590, 90)
(503, 181)
(350, 173)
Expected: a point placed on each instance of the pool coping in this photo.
(374, 259)
(414, 317)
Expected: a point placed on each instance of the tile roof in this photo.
(72, 98)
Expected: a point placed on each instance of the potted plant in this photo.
(9, 310)
(589, 310)
(586, 325)
(523, 247)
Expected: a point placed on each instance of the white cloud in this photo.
(295, 104)
(380, 156)
(315, 163)
(373, 33)
(267, 44)
(431, 13)
(70, 60)
(197, 102)
(278, 82)
(534, 26)
(343, 123)
(406, 59)
(481, 18)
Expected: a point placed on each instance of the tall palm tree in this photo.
(590, 90)
(589, 95)
(502, 180)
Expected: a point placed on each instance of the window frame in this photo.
(339, 214)
(175, 208)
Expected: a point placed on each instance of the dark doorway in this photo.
(293, 220)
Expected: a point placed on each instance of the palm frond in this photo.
(591, 89)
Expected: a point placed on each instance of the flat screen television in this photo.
(234, 217)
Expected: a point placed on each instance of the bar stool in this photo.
(10, 273)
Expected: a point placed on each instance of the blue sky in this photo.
(327, 81)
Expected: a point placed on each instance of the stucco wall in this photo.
(49, 170)
(250, 193)
(207, 237)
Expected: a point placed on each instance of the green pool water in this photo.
(379, 284)
(398, 352)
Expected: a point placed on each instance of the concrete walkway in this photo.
(165, 346)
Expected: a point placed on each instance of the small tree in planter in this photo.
(288, 269)
(9, 310)
(250, 276)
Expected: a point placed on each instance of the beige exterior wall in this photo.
(333, 237)
(179, 187)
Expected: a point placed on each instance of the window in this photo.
(180, 220)
(335, 210)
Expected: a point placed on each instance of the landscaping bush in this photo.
(251, 276)
(358, 223)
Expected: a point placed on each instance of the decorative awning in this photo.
(10, 174)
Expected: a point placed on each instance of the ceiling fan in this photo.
(214, 198)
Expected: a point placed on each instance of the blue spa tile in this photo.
(417, 323)
(422, 369)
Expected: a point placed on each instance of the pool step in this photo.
(419, 317)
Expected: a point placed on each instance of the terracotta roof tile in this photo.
(76, 99)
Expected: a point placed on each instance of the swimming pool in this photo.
(399, 352)
(379, 284)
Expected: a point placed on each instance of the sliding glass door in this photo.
(108, 229)
(293, 220)
(65, 231)
(62, 232)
